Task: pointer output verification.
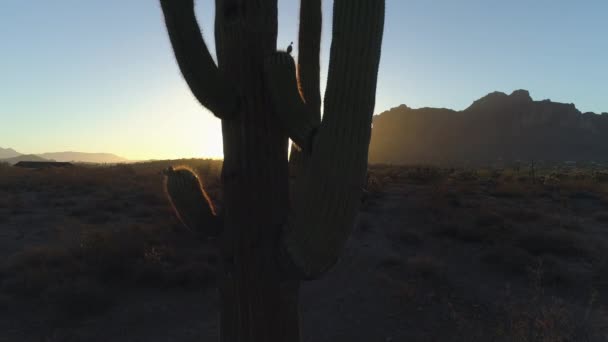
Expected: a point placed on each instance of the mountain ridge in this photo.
(9, 155)
(496, 126)
(84, 157)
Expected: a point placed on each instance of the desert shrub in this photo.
(114, 205)
(601, 217)
(147, 198)
(390, 262)
(572, 224)
(600, 274)
(424, 175)
(550, 182)
(467, 233)
(557, 273)
(427, 267)
(601, 176)
(127, 170)
(32, 271)
(513, 189)
(408, 237)
(488, 218)
(192, 275)
(374, 184)
(465, 175)
(523, 215)
(124, 258)
(545, 319)
(111, 254)
(509, 259)
(364, 224)
(556, 242)
(80, 298)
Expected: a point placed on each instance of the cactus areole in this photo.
(284, 218)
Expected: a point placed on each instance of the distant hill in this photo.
(11, 156)
(8, 153)
(497, 126)
(84, 157)
(23, 157)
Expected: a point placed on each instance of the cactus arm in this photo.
(309, 48)
(308, 73)
(190, 201)
(299, 120)
(198, 68)
(328, 193)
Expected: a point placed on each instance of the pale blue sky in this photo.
(99, 76)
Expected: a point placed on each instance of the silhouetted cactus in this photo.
(190, 201)
(281, 223)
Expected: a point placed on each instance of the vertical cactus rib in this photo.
(327, 195)
(198, 68)
(309, 48)
(190, 201)
(299, 120)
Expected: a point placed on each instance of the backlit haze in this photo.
(100, 76)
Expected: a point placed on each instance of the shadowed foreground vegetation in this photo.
(512, 254)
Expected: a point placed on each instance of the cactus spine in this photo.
(283, 220)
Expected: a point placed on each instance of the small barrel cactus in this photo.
(190, 201)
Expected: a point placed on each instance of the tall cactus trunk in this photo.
(274, 234)
(256, 304)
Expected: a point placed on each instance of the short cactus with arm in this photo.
(283, 220)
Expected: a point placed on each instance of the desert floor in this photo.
(96, 254)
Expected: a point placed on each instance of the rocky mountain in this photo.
(497, 126)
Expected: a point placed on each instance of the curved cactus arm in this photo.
(308, 73)
(190, 201)
(195, 62)
(328, 193)
(309, 48)
(299, 120)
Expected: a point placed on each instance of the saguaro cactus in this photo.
(282, 220)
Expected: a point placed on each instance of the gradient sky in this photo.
(100, 76)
